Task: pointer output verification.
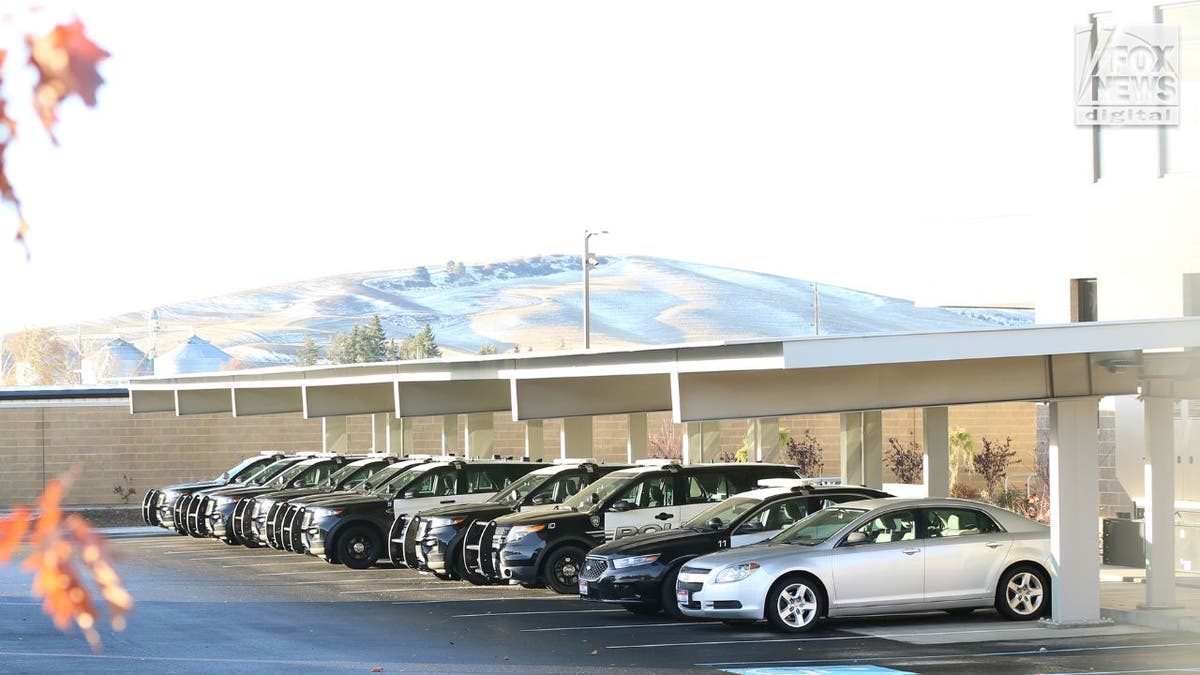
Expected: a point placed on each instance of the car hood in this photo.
(344, 499)
(293, 493)
(189, 487)
(541, 516)
(241, 491)
(760, 553)
(652, 542)
(475, 511)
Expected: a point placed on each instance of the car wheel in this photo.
(358, 548)
(562, 569)
(641, 610)
(794, 604)
(1023, 594)
(445, 576)
(667, 597)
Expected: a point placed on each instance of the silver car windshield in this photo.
(818, 527)
(602, 489)
(724, 512)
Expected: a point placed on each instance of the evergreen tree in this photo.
(421, 275)
(392, 353)
(338, 350)
(308, 355)
(374, 341)
(423, 345)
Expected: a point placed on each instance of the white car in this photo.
(875, 556)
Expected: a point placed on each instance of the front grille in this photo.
(593, 568)
(499, 534)
(726, 604)
(273, 529)
(179, 513)
(472, 559)
(687, 569)
(149, 506)
(240, 527)
(411, 542)
(690, 586)
(293, 529)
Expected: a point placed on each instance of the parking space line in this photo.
(621, 625)
(505, 598)
(339, 581)
(910, 657)
(734, 642)
(276, 574)
(265, 564)
(548, 611)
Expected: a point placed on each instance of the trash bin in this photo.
(1124, 542)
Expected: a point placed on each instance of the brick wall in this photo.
(116, 449)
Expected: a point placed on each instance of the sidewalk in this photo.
(1123, 589)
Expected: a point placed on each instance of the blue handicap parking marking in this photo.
(819, 670)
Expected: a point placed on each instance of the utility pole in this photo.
(588, 263)
(816, 310)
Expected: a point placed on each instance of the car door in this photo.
(436, 487)
(886, 568)
(965, 551)
(768, 520)
(649, 505)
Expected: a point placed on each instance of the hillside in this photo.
(536, 303)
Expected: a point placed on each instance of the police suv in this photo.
(549, 545)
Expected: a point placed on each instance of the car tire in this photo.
(667, 597)
(795, 604)
(1023, 593)
(641, 610)
(561, 570)
(358, 547)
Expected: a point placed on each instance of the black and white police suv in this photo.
(433, 540)
(549, 545)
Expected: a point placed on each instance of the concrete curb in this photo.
(1157, 619)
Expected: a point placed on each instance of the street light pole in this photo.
(588, 263)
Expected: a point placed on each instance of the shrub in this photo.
(992, 463)
(805, 454)
(964, 491)
(906, 460)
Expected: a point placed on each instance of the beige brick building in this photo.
(117, 451)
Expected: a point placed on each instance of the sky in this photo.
(238, 145)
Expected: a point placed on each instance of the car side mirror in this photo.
(856, 538)
(410, 494)
(715, 523)
(621, 506)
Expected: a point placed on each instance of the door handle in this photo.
(994, 544)
(446, 501)
(909, 551)
(664, 516)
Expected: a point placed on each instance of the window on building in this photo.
(1179, 146)
(1084, 306)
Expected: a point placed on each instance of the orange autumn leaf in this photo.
(66, 61)
(57, 544)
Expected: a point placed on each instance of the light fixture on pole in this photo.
(588, 263)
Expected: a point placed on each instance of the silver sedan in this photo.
(875, 556)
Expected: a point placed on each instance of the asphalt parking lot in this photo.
(205, 607)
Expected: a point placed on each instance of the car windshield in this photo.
(348, 476)
(818, 527)
(383, 476)
(394, 486)
(246, 469)
(518, 489)
(290, 473)
(725, 512)
(272, 470)
(597, 492)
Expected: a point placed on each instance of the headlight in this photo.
(736, 572)
(436, 522)
(319, 513)
(634, 560)
(518, 533)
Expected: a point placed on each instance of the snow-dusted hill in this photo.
(536, 303)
